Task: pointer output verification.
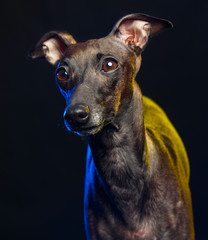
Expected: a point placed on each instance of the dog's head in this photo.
(96, 77)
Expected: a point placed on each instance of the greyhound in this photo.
(137, 170)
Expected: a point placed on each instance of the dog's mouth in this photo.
(86, 131)
(90, 130)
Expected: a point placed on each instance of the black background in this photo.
(41, 164)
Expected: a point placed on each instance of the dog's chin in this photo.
(85, 131)
(88, 131)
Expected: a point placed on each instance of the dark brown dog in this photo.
(137, 170)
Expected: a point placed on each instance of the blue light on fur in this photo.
(88, 188)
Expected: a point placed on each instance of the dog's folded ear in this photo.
(135, 29)
(51, 46)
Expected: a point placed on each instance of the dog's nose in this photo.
(77, 114)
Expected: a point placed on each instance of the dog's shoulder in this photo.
(162, 131)
(155, 119)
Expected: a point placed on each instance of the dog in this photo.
(137, 170)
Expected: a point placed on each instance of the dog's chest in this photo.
(112, 218)
(107, 226)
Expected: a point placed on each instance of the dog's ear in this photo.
(135, 29)
(52, 46)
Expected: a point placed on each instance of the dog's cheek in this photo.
(109, 98)
(127, 86)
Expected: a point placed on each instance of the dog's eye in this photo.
(109, 65)
(62, 75)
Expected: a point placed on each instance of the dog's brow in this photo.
(99, 55)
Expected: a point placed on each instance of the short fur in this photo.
(137, 170)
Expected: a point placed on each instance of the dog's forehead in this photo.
(106, 46)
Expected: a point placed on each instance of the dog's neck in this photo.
(118, 153)
(124, 134)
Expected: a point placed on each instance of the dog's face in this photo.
(96, 77)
